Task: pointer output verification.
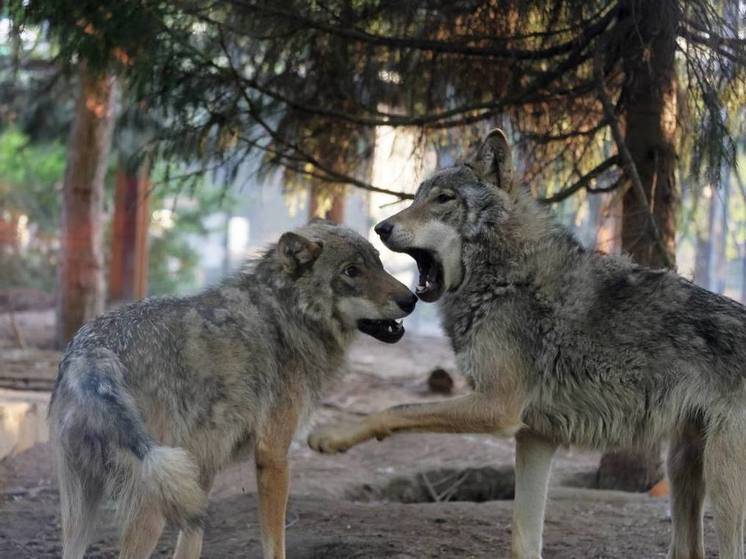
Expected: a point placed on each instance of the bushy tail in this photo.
(165, 477)
(101, 435)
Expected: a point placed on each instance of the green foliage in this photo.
(173, 264)
(31, 179)
(35, 269)
(173, 260)
(31, 176)
(104, 34)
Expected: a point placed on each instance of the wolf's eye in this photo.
(443, 198)
(351, 271)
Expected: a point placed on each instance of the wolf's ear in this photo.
(296, 252)
(493, 162)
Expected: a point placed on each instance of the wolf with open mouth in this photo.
(154, 398)
(568, 346)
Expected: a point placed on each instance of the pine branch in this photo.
(583, 182)
(549, 138)
(435, 46)
(717, 44)
(328, 174)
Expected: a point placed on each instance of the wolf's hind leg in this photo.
(141, 532)
(189, 544)
(686, 474)
(725, 456)
(80, 498)
(533, 462)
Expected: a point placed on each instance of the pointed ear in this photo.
(296, 252)
(493, 162)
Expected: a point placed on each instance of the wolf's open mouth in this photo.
(430, 284)
(389, 331)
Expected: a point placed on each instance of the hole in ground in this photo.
(447, 484)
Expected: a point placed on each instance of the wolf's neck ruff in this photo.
(500, 266)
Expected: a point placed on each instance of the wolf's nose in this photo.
(407, 303)
(384, 229)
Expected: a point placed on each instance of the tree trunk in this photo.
(608, 234)
(327, 202)
(128, 266)
(649, 113)
(81, 285)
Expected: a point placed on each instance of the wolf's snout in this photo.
(407, 302)
(383, 229)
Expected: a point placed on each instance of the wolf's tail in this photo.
(166, 477)
(102, 445)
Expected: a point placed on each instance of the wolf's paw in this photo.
(331, 439)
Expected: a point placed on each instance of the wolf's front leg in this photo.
(272, 478)
(533, 461)
(475, 413)
(273, 484)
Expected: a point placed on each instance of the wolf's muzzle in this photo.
(383, 229)
(407, 302)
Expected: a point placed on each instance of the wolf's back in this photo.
(100, 435)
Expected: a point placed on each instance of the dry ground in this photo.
(341, 507)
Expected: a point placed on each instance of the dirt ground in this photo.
(347, 507)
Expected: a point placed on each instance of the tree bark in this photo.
(327, 204)
(608, 234)
(649, 113)
(81, 285)
(128, 265)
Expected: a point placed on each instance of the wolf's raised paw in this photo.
(333, 439)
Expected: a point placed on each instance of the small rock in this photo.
(440, 381)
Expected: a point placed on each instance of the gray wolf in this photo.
(154, 398)
(565, 346)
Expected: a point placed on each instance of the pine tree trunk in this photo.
(81, 285)
(128, 265)
(608, 234)
(650, 125)
(327, 202)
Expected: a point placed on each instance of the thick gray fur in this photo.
(590, 349)
(154, 398)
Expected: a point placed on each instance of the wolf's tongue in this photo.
(429, 288)
(428, 281)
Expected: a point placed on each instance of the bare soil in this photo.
(348, 506)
